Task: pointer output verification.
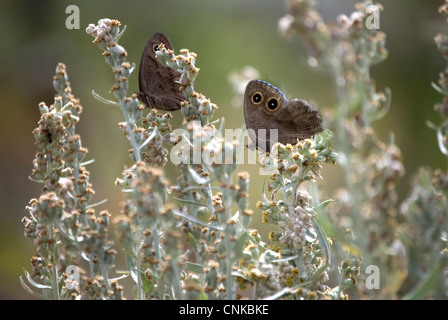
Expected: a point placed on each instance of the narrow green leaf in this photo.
(263, 191)
(151, 136)
(85, 163)
(192, 241)
(132, 68)
(284, 259)
(281, 293)
(28, 289)
(35, 180)
(239, 245)
(197, 177)
(428, 283)
(34, 283)
(97, 204)
(202, 296)
(310, 235)
(425, 179)
(121, 33)
(441, 140)
(322, 205)
(194, 203)
(194, 267)
(326, 250)
(431, 125)
(437, 88)
(104, 100)
(385, 109)
(192, 219)
(241, 275)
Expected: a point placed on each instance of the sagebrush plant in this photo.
(189, 240)
(192, 239)
(426, 235)
(363, 217)
(366, 219)
(63, 222)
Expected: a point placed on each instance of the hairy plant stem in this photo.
(130, 124)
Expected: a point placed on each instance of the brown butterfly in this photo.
(159, 84)
(271, 117)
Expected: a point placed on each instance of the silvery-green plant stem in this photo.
(343, 141)
(107, 40)
(55, 285)
(130, 132)
(227, 243)
(366, 111)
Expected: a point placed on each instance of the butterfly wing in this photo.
(303, 120)
(159, 87)
(259, 118)
(271, 118)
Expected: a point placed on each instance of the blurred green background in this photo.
(227, 35)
